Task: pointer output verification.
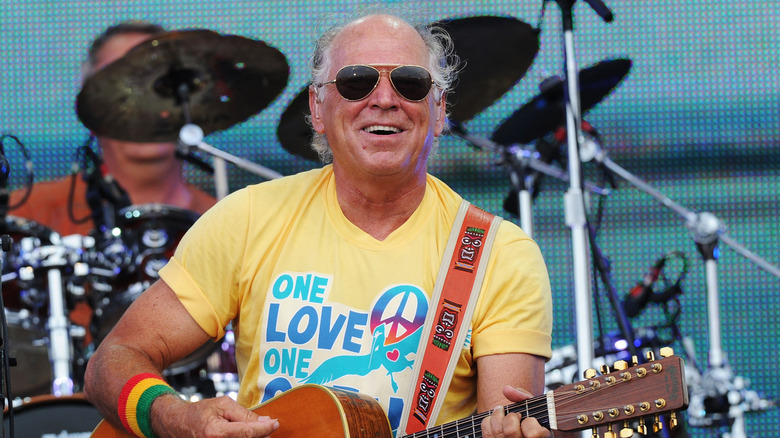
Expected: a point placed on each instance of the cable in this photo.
(80, 156)
(28, 165)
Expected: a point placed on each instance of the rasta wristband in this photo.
(135, 402)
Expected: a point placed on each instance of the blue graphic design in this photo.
(301, 323)
(381, 355)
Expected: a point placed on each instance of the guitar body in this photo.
(306, 410)
(315, 410)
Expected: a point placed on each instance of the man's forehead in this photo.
(377, 43)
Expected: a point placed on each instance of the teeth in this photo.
(377, 128)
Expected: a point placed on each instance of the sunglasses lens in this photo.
(355, 82)
(411, 82)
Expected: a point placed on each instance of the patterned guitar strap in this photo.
(457, 287)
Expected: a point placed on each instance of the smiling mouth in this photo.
(381, 130)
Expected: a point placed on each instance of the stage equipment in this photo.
(183, 85)
(574, 201)
(718, 396)
(546, 112)
(190, 76)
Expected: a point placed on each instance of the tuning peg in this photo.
(673, 420)
(626, 431)
(666, 352)
(650, 355)
(620, 365)
(641, 428)
(609, 433)
(595, 433)
(605, 369)
(589, 373)
(634, 360)
(657, 425)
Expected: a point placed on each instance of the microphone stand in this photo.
(719, 381)
(574, 200)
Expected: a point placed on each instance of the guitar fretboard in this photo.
(471, 427)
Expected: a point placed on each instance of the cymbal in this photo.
(547, 111)
(495, 53)
(225, 80)
(294, 132)
(488, 68)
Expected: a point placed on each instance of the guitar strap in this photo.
(457, 287)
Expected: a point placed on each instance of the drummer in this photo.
(150, 173)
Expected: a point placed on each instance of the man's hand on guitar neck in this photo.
(512, 425)
(220, 416)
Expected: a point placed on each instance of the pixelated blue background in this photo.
(696, 118)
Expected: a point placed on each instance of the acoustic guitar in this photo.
(615, 399)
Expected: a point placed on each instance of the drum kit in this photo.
(63, 294)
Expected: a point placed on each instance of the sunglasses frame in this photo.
(378, 79)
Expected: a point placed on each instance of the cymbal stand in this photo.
(523, 182)
(53, 259)
(718, 383)
(6, 362)
(191, 136)
(519, 160)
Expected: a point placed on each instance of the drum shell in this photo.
(150, 234)
(53, 416)
(28, 236)
(28, 343)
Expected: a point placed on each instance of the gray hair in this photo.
(443, 64)
(122, 28)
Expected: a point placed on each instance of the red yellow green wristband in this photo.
(135, 402)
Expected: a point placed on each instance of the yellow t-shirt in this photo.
(314, 299)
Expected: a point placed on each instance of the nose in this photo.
(384, 94)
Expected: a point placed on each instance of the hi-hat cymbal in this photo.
(547, 111)
(494, 52)
(224, 79)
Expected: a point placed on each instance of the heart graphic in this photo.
(393, 355)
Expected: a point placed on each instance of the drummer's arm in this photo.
(154, 332)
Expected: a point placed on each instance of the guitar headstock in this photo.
(625, 393)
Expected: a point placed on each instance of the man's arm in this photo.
(503, 379)
(154, 332)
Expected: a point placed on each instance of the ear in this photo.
(441, 111)
(314, 108)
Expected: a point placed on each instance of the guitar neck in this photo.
(471, 427)
(644, 390)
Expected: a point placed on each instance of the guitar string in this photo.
(534, 407)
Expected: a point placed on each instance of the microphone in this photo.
(105, 196)
(638, 297)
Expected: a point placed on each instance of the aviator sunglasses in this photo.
(356, 82)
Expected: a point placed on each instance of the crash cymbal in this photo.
(547, 111)
(225, 78)
(494, 52)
